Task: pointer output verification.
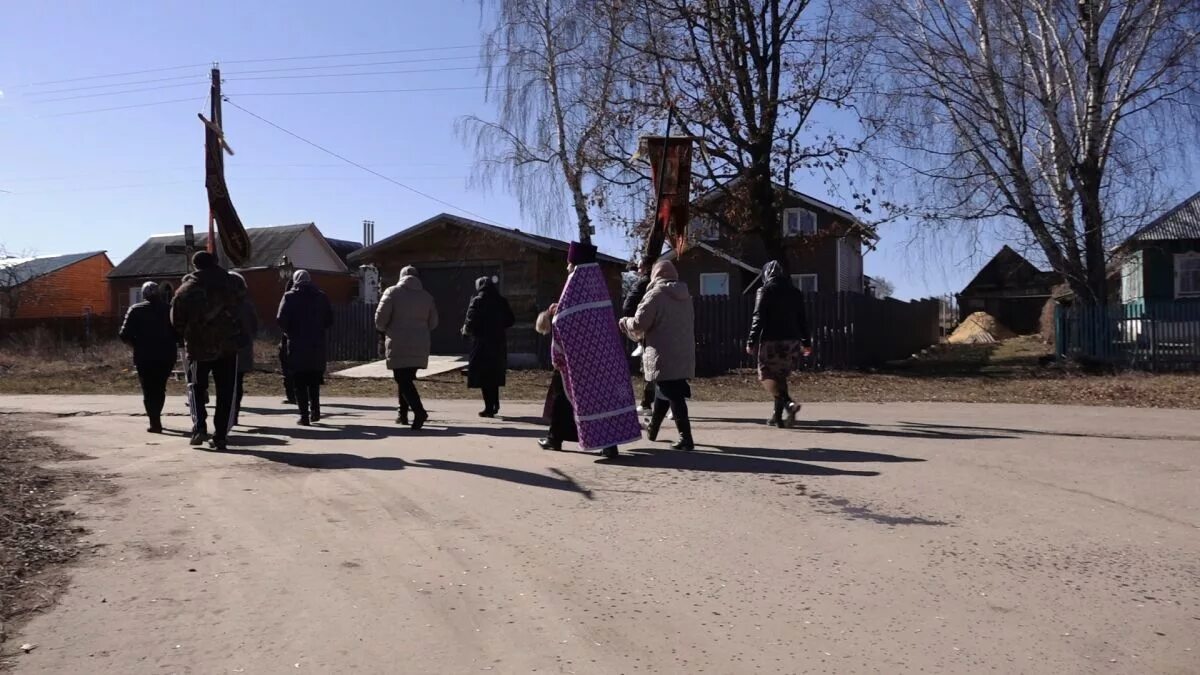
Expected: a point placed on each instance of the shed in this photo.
(1011, 289)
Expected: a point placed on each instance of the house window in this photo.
(714, 284)
(705, 229)
(807, 283)
(1187, 274)
(135, 295)
(799, 223)
(1132, 288)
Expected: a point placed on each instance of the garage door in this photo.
(452, 289)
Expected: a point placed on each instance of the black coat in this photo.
(629, 307)
(488, 319)
(147, 328)
(304, 316)
(778, 313)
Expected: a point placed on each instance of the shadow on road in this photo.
(908, 430)
(818, 455)
(722, 462)
(340, 460)
(1036, 432)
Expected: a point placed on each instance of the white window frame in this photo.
(1132, 279)
(714, 275)
(135, 295)
(801, 213)
(798, 282)
(1180, 260)
(706, 229)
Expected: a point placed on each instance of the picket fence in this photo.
(1160, 335)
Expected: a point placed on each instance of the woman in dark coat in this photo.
(779, 337)
(304, 316)
(488, 319)
(147, 328)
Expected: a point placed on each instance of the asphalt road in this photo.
(935, 538)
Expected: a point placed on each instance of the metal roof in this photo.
(343, 248)
(1181, 222)
(533, 240)
(16, 271)
(267, 245)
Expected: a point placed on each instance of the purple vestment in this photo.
(588, 353)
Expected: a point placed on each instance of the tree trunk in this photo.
(764, 214)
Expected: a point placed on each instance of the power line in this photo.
(125, 107)
(378, 72)
(348, 65)
(101, 77)
(359, 91)
(356, 164)
(117, 84)
(117, 93)
(338, 56)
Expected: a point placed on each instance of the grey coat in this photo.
(665, 322)
(407, 315)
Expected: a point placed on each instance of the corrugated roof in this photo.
(534, 240)
(343, 248)
(267, 245)
(1181, 222)
(17, 271)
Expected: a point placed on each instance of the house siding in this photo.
(68, 292)
(1158, 263)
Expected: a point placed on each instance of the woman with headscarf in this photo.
(779, 337)
(407, 315)
(665, 324)
(304, 316)
(488, 318)
(147, 328)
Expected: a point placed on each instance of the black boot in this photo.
(315, 404)
(610, 452)
(777, 418)
(155, 425)
(402, 416)
(685, 434)
(656, 418)
(549, 443)
(302, 403)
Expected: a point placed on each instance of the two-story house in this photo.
(824, 246)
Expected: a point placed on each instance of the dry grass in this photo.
(1013, 371)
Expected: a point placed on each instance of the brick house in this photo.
(824, 247)
(451, 252)
(303, 246)
(63, 286)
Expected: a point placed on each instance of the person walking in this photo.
(558, 410)
(249, 322)
(591, 358)
(205, 312)
(665, 323)
(629, 308)
(289, 388)
(407, 315)
(304, 316)
(780, 339)
(489, 317)
(147, 328)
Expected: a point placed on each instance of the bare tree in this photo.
(754, 78)
(882, 288)
(14, 289)
(1058, 115)
(550, 70)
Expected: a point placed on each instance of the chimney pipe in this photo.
(368, 232)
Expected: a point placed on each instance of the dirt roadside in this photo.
(38, 537)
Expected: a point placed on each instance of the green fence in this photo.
(1146, 335)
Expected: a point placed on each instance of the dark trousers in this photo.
(406, 390)
(225, 376)
(673, 396)
(491, 399)
(562, 413)
(153, 378)
(289, 387)
(648, 395)
(308, 391)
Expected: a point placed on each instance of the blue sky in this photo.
(107, 180)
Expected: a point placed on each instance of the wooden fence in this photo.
(1145, 335)
(352, 336)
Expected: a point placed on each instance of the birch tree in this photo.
(1058, 115)
(550, 71)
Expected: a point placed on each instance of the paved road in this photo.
(889, 539)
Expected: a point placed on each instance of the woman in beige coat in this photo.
(407, 315)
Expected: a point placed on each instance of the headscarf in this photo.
(301, 277)
(149, 290)
(774, 274)
(409, 271)
(483, 282)
(665, 270)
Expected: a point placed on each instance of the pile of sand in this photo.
(978, 328)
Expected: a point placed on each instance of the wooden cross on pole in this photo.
(188, 248)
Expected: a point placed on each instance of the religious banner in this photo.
(234, 239)
(674, 184)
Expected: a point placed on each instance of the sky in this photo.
(76, 175)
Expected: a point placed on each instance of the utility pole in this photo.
(215, 111)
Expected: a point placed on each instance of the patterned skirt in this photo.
(778, 358)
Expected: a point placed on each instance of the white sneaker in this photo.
(793, 409)
(638, 351)
(671, 415)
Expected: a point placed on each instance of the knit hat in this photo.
(581, 254)
(203, 260)
(149, 289)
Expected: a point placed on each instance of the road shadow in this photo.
(350, 432)
(325, 461)
(1063, 434)
(860, 429)
(721, 462)
(818, 455)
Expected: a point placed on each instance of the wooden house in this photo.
(1161, 261)
(1011, 289)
